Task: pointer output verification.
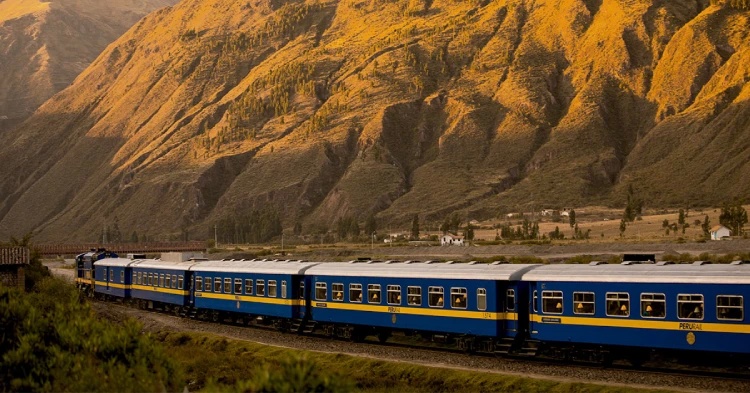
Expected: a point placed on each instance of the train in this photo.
(595, 312)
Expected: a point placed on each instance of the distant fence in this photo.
(14, 256)
(120, 248)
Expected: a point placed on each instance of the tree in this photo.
(469, 232)
(681, 217)
(371, 225)
(633, 207)
(623, 226)
(572, 218)
(415, 227)
(734, 217)
(706, 227)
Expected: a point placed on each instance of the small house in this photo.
(451, 240)
(719, 232)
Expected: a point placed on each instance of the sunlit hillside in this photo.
(44, 45)
(327, 109)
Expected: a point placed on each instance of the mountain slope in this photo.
(326, 109)
(44, 45)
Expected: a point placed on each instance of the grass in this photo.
(218, 364)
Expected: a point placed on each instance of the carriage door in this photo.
(511, 311)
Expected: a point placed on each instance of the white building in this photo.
(451, 240)
(720, 231)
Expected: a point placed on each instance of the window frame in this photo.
(217, 284)
(283, 289)
(653, 300)
(510, 293)
(417, 296)
(180, 282)
(161, 280)
(337, 292)
(238, 290)
(174, 282)
(374, 289)
(139, 280)
(691, 295)
(208, 284)
(584, 301)
(260, 287)
(134, 278)
(482, 299)
(227, 287)
(393, 289)
(741, 307)
(355, 287)
(248, 286)
(122, 276)
(199, 283)
(553, 295)
(619, 300)
(458, 293)
(440, 300)
(111, 275)
(534, 301)
(168, 281)
(321, 296)
(273, 284)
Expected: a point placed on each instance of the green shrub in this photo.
(52, 341)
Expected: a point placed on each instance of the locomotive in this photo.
(597, 312)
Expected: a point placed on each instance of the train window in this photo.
(729, 308)
(618, 304)
(248, 286)
(481, 299)
(199, 284)
(272, 288)
(510, 300)
(534, 301)
(283, 289)
(690, 306)
(552, 302)
(458, 298)
(146, 278)
(227, 285)
(168, 281)
(435, 297)
(260, 289)
(394, 294)
(373, 293)
(155, 280)
(139, 279)
(174, 281)
(161, 280)
(111, 275)
(122, 276)
(355, 293)
(414, 296)
(238, 286)
(653, 305)
(583, 303)
(321, 291)
(207, 284)
(134, 279)
(337, 290)
(217, 284)
(302, 290)
(180, 282)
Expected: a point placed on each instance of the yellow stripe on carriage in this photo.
(111, 285)
(433, 312)
(695, 326)
(171, 291)
(249, 299)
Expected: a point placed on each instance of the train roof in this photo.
(413, 269)
(114, 262)
(159, 264)
(697, 273)
(254, 266)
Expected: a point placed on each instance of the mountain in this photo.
(321, 110)
(44, 45)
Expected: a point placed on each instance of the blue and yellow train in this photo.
(596, 312)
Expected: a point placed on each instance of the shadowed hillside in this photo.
(325, 109)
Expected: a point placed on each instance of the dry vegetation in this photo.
(323, 109)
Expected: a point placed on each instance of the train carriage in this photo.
(85, 267)
(112, 277)
(161, 284)
(625, 310)
(268, 289)
(442, 299)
